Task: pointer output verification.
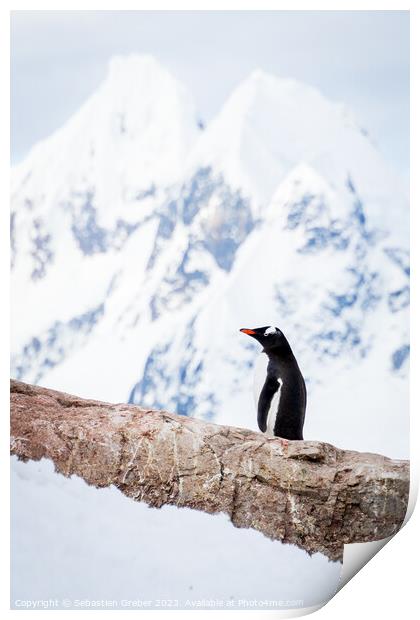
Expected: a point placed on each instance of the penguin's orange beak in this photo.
(247, 331)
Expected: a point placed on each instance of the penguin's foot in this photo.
(284, 443)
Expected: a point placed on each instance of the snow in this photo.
(140, 115)
(269, 125)
(72, 541)
(125, 339)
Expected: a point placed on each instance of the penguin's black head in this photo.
(269, 337)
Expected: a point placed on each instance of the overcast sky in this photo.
(358, 57)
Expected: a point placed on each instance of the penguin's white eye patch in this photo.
(270, 330)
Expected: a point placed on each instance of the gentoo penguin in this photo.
(281, 393)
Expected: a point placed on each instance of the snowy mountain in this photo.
(142, 242)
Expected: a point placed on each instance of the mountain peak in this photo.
(265, 87)
(264, 79)
(141, 118)
(269, 124)
(131, 70)
(266, 126)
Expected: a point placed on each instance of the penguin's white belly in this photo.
(260, 375)
(272, 413)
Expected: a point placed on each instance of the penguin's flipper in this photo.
(270, 387)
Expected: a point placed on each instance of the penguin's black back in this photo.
(292, 404)
(284, 389)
